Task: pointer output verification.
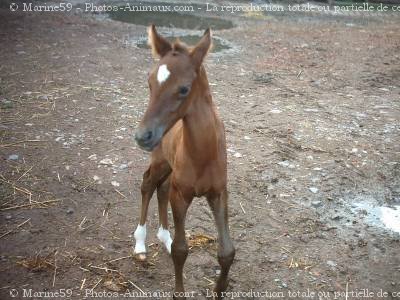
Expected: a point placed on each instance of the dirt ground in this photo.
(312, 111)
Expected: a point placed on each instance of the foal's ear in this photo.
(159, 45)
(201, 49)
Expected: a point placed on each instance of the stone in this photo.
(106, 162)
(13, 157)
(316, 203)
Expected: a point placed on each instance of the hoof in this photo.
(219, 289)
(140, 256)
(217, 298)
(179, 296)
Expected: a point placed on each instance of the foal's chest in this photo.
(199, 182)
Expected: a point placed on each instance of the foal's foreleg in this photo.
(179, 250)
(226, 251)
(154, 176)
(147, 190)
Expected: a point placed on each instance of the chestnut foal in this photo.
(187, 139)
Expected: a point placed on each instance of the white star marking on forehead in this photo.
(162, 74)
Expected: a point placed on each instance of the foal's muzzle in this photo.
(148, 138)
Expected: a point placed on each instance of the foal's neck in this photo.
(200, 123)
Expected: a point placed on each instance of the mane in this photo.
(181, 47)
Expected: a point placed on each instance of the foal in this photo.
(187, 140)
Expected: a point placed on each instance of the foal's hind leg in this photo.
(226, 251)
(162, 195)
(157, 172)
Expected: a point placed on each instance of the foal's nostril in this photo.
(144, 137)
(147, 136)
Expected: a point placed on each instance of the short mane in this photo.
(180, 47)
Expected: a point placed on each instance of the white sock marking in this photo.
(165, 237)
(162, 74)
(140, 237)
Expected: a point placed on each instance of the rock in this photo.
(123, 166)
(115, 183)
(284, 163)
(13, 157)
(316, 203)
(313, 190)
(92, 157)
(6, 104)
(336, 217)
(275, 111)
(106, 161)
(237, 155)
(331, 263)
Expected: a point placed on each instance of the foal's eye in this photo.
(183, 91)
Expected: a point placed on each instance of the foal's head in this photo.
(172, 86)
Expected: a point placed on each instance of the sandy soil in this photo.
(312, 112)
